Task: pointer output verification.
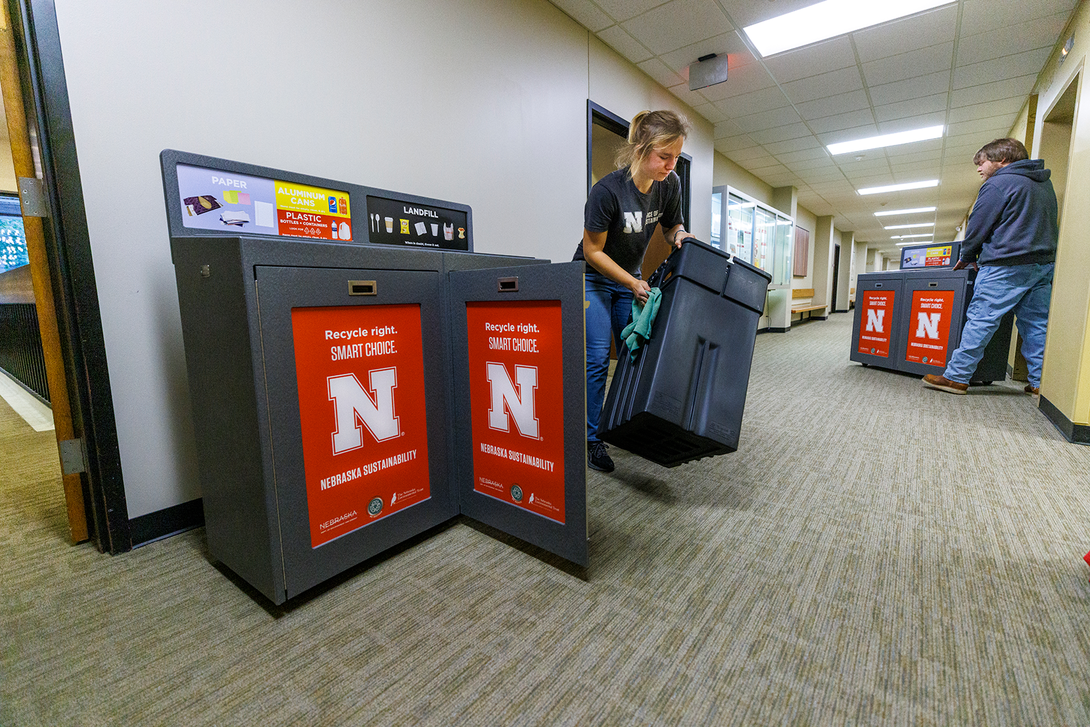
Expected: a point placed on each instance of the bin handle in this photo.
(507, 285)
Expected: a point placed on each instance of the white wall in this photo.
(475, 101)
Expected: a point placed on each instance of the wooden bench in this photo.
(803, 309)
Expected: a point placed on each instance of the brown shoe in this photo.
(942, 383)
(1031, 389)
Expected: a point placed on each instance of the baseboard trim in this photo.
(773, 329)
(1074, 433)
(164, 523)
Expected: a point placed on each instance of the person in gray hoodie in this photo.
(1011, 235)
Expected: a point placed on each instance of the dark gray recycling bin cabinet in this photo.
(911, 321)
(311, 464)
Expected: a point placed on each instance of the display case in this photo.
(754, 232)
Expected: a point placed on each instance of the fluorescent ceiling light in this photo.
(827, 20)
(905, 237)
(874, 142)
(932, 244)
(905, 227)
(912, 211)
(900, 187)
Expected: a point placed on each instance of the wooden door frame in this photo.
(78, 349)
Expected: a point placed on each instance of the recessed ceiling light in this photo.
(827, 20)
(874, 142)
(912, 211)
(905, 237)
(905, 227)
(900, 187)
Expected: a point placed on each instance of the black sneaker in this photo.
(598, 457)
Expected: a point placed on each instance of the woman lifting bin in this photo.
(619, 218)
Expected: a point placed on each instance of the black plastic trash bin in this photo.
(682, 397)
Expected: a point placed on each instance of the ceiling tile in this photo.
(1041, 33)
(766, 120)
(862, 119)
(1001, 68)
(847, 134)
(908, 123)
(979, 16)
(625, 44)
(773, 168)
(921, 167)
(932, 59)
(794, 157)
(622, 10)
(905, 109)
(745, 104)
(820, 176)
(693, 98)
(807, 166)
(585, 13)
(657, 70)
(928, 85)
(827, 84)
(813, 60)
(801, 143)
(1010, 88)
(930, 150)
(726, 127)
(868, 165)
(710, 112)
(744, 79)
(750, 154)
(677, 24)
(903, 36)
(999, 124)
(835, 105)
(780, 133)
(725, 43)
(1002, 107)
(734, 143)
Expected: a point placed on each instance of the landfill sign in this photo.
(877, 319)
(516, 386)
(929, 327)
(360, 371)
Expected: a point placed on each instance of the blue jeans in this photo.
(609, 306)
(1027, 289)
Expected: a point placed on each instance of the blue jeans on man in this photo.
(1027, 289)
(609, 306)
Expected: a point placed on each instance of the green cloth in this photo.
(638, 331)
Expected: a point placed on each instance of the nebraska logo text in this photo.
(339, 520)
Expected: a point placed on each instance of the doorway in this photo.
(836, 276)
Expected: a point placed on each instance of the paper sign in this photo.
(929, 327)
(876, 322)
(360, 372)
(516, 385)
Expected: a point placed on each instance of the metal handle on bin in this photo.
(507, 285)
(932, 285)
(362, 287)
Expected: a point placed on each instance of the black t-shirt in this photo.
(628, 217)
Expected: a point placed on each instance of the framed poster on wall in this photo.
(802, 252)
